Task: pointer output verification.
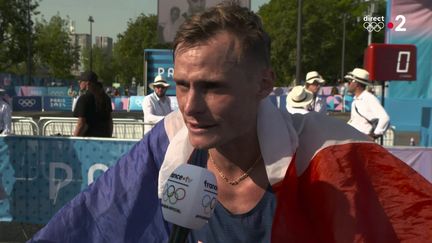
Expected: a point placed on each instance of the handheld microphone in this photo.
(188, 200)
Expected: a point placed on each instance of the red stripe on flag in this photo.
(353, 193)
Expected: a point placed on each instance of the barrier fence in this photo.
(388, 138)
(122, 128)
(338, 103)
(34, 185)
(24, 126)
(64, 126)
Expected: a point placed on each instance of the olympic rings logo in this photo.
(172, 195)
(26, 102)
(373, 26)
(208, 203)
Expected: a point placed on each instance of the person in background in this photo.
(82, 90)
(108, 91)
(83, 85)
(298, 100)
(280, 177)
(342, 87)
(116, 92)
(93, 109)
(334, 91)
(5, 115)
(126, 91)
(171, 26)
(365, 106)
(313, 84)
(195, 7)
(71, 92)
(156, 105)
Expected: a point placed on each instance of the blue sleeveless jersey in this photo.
(253, 226)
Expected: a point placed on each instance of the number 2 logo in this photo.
(400, 25)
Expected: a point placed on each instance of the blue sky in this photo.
(110, 16)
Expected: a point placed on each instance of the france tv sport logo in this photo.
(376, 23)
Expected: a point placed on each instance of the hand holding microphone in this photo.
(188, 200)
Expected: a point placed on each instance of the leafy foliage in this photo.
(54, 53)
(103, 63)
(322, 40)
(322, 32)
(129, 49)
(15, 31)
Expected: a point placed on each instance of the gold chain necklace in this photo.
(239, 179)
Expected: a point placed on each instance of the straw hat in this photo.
(358, 75)
(299, 97)
(159, 81)
(314, 76)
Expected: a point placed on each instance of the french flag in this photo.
(331, 185)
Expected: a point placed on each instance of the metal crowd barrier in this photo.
(52, 126)
(388, 138)
(128, 129)
(64, 126)
(123, 128)
(24, 126)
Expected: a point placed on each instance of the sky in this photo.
(110, 16)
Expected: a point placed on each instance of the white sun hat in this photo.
(159, 81)
(358, 75)
(314, 76)
(299, 97)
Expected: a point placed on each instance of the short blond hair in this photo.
(231, 17)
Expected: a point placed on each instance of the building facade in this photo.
(83, 41)
(105, 43)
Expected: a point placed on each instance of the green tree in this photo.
(103, 64)
(321, 36)
(54, 52)
(128, 52)
(15, 31)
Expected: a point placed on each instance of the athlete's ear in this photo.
(267, 82)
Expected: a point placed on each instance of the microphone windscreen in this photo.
(189, 196)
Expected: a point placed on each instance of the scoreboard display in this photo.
(391, 62)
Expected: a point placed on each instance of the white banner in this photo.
(172, 13)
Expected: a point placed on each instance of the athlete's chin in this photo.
(203, 141)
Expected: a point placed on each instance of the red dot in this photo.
(390, 25)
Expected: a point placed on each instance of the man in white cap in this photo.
(156, 105)
(298, 100)
(5, 116)
(367, 114)
(313, 84)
